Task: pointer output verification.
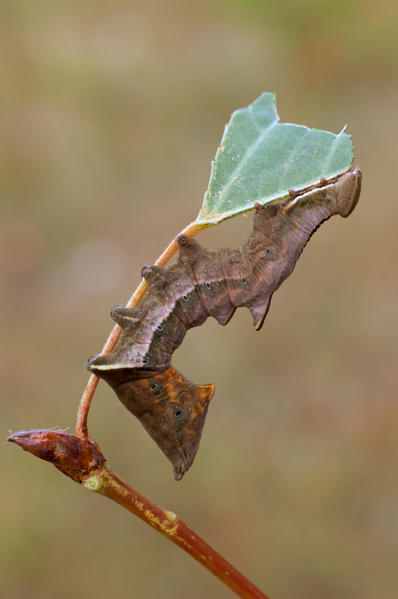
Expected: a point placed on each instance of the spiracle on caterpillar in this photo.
(202, 283)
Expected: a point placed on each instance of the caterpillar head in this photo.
(173, 411)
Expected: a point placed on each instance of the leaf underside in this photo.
(260, 160)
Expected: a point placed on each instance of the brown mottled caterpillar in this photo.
(204, 283)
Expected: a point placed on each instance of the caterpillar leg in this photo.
(123, 316)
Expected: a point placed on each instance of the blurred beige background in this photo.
(110, 115)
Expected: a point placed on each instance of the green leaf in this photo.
(260, 160)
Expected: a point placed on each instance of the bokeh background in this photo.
(110, 115)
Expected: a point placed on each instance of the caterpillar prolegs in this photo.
(205, 282)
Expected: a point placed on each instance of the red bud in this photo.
(74, 456)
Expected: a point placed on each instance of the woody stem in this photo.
(81, 423)
(168, 524)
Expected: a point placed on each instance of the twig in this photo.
(82, 460)
(168, 524)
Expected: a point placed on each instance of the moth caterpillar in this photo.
(206, 282)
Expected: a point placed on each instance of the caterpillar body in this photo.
(202, 283)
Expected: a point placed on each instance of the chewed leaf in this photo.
(260, 160)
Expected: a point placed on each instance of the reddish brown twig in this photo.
(168, 524)
(82, 460)
(81, 423)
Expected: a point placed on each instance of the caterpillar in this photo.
(202, 283)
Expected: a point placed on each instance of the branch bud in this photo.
(72, 455)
